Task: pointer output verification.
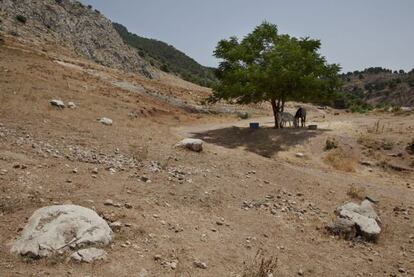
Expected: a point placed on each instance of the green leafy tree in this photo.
(267, 66)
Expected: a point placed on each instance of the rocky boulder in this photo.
(191, 144)
(357, 221)
(50, 230)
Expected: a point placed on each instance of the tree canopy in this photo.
(268, 66)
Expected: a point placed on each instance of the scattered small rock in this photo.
(191, 144)
(116, 226)
(109, 202)
(71, 105)
(106, 121)
(143, 273)
(89, 255)
(200, 264)
(57, 103)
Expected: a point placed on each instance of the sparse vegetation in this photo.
(164, 56)
(371, 142)
(376, 87)
(243, 115)
(341, 160)
(410, 147)
(261, 266)
(378, 128)
(165, 68)
(138, 152)
(21, 18)
(356, 192)
(331, 143)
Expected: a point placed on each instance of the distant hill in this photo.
(167, 58)
(378, 86)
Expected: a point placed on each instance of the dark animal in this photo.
(300, 115)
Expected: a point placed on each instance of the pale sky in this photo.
(354, 33)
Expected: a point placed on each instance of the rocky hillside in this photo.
(380, 86)
(167, 58)
(69, 23)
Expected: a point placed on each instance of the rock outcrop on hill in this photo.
(70, 23)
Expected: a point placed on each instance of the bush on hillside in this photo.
(165, 68)
(21, 18)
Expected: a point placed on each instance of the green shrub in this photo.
(165, 68)
(331, 143)
(410, 147)
(21, 18)
(243, 115)
(360, 108)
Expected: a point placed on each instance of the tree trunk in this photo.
(276, 108)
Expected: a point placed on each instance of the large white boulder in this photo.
(52, 229)
(362, 217)
(366, 209)
(192, 144)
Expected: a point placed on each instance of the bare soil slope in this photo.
(247, 191)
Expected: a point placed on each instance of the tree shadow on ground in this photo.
(264, 141)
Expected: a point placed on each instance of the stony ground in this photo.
(269, 191)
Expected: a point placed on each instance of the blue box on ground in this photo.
(254, 125)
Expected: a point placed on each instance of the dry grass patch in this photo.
(378, 128)
(356, 192)
(261, 266)
(138, 152)
(371, 142)
(341, 160)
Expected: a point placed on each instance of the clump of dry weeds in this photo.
(261, 266)
(356, 192)
(138, 152)
(378, 128)
(341, 160)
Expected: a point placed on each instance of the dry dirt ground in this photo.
(247, 192)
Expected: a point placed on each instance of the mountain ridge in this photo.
(167, 58)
